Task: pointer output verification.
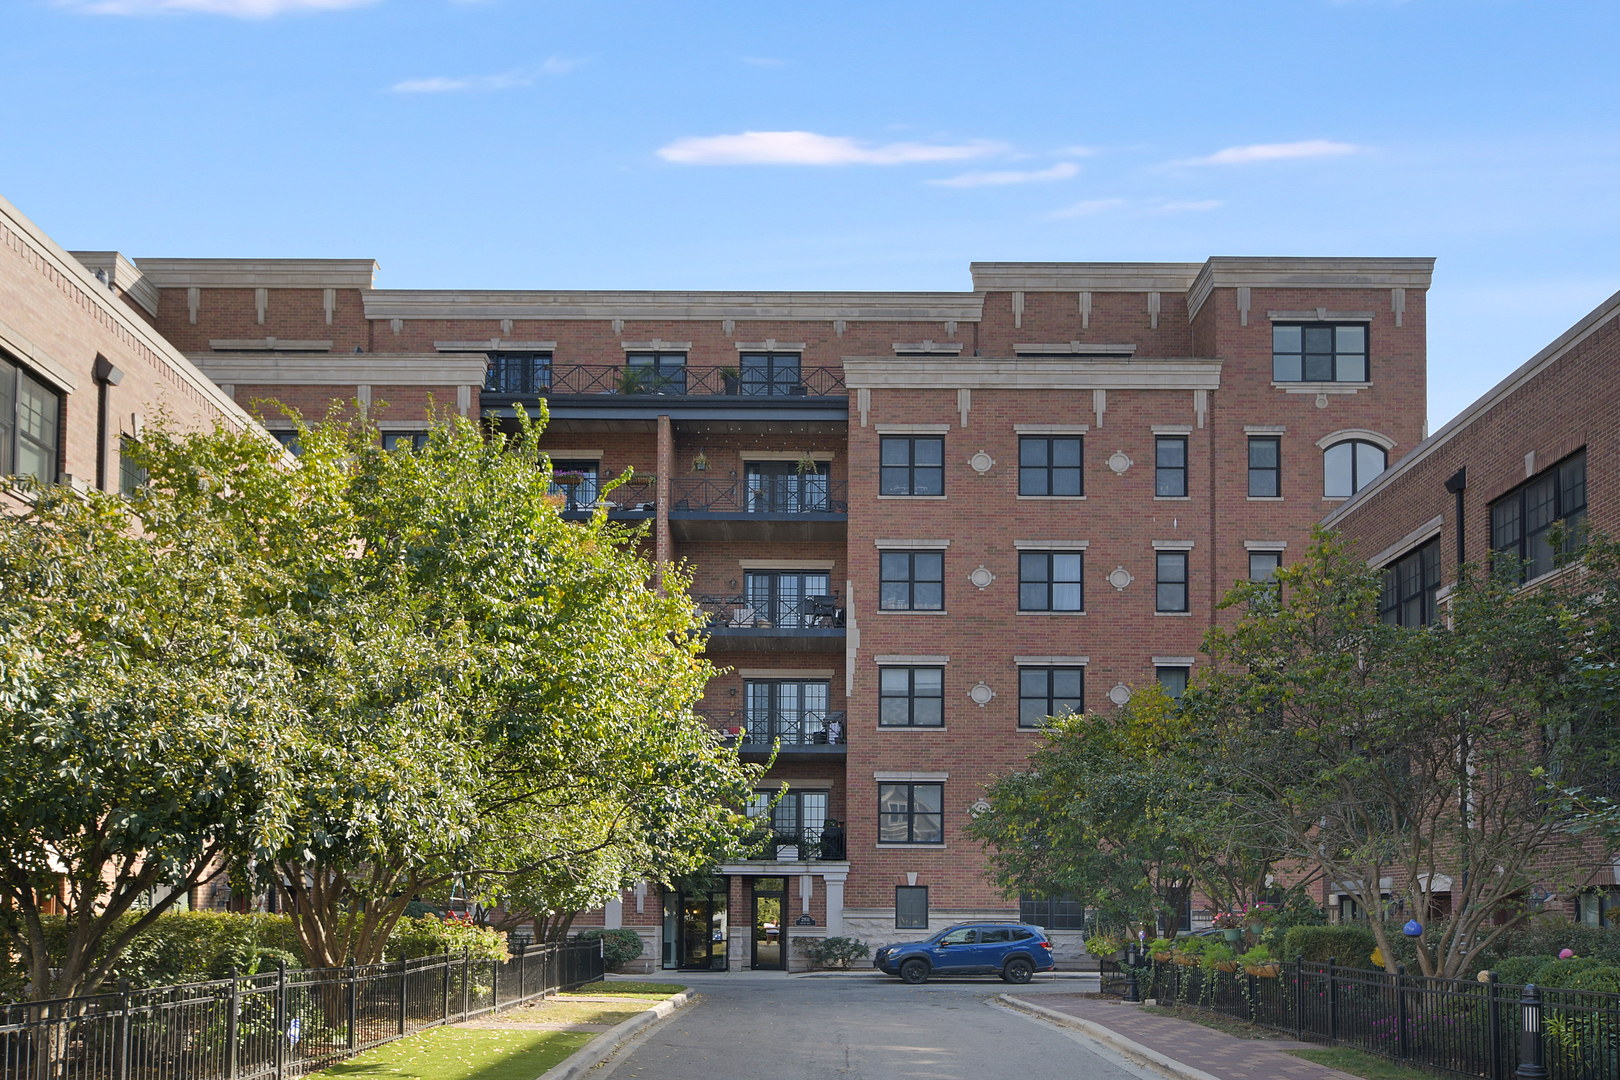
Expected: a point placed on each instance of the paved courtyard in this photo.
(749, 1025)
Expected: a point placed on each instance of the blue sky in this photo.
(528, 144)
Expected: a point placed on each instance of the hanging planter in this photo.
(701, 462)
(806, 463)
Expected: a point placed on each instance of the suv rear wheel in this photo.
(1018, 970)
(915, 971)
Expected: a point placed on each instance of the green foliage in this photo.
(619, 947)
(1548, 935)
(1517, 970)
(1189, 945)
(1559, 972)
(833, 951)
(432, 935)
(1598, 979)
(1260, 954)
(1351, 945)
(1102, 944)
(1216, 952)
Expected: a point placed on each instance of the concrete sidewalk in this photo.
(1176, 1048)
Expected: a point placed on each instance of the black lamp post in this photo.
(1133, 989)
(1530, 1064)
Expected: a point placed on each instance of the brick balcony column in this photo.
(666, 459)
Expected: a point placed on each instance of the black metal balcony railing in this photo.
(761, 729)
(764, 495)
(803, 845)
(742, 612)
(542, 378)
(632, 496)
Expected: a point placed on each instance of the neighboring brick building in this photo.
(913, 517)
(81, 367)
(1541, 447)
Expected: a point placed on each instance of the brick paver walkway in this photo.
(1215, 1052)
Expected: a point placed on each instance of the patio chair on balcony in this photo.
(821, 610)
(831, 730)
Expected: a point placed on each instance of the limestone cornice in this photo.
(635, 305)
(1031, 373)
(1083, 277)
(122, 274)
(393, 369)
(1232, 272)
(259, 273)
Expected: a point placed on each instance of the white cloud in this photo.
(1088, 207)
(438, 84)
(808, 148)
(1248, 155)
(1188, 207)
(241, 9)
(444, 84)
(1063, 170)
(763, 61)
(560, 65)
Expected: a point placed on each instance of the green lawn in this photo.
(458, 1053)
(1357, 1063)
(626, 989)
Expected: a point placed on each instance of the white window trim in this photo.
(911, 661)
(1265, 545)
(1173, 545)
(1347, 434)
(1051, 545)
(786, 564)
(911, 778)
(565, 455)
(770, 345)
(786, 455)
(1320, 315)
(1172, 429)
(1265, 429)
(786, 673)
(1051, 661)
(912, 429)
(656, 345)
(1051, 429)
(886, 544)
(1174, 661)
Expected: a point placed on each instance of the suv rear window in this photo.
(1021, 935)
(986, 936)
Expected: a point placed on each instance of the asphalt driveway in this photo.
(758, 1025)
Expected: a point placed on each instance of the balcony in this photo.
(631, 501)
(805, 735)
(774, 624)
(547, 379)
(803, 508)
(825, 844)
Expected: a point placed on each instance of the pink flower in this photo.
(1567, 954)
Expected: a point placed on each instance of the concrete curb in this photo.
(1129, 1049)
(596, 1051)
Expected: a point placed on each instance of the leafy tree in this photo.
(1402, 755)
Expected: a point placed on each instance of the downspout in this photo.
(1456, 485)
(105, 376)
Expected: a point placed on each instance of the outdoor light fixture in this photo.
(1530, 1064)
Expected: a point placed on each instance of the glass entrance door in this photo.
(770, 935)
(695, 931)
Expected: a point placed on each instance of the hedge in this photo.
(619, 947)
(1350, 946)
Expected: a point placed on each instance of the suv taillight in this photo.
(1046, 945)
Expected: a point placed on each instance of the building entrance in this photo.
(695, 930)
(770, 935)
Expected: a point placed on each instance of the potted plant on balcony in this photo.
(634, 380)
(806, 463)
(730, 381)
(1230, 924)
(701, 462)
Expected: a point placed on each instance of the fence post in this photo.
(466, 979)
(281, 1019)
(444, 1014)
(1299, 997)
(404, 987)
(233, 1027)
(522, 986)
(494, 985)
(1400, 1011)
(1530, 1064)
(354, 1006)
(1493, 1010)
(121, 1033)
(1332, 1003)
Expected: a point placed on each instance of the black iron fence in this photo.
(282, 1023)
(767, 612)
(528, 376)
(1463, 1028)
(813, 493)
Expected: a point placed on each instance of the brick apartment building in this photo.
(1541, 448)
(919, 522)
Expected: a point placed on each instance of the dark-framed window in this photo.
(1051, 581)
(289, 438)
(1263, 565)
(1173, 678)
(911, 907)
(1170, 466)
(769, 374)
(654, 373)
(793, 710)
(1170, 589)
(911, 581)
(404, 440)
(1265, 466)
(911, 813)
(912, 466)
(1319, 352)
(783, 487)
(1056, 913)
(518, 373)
(786, 599)
(1522, 520)
(911, 696)
(1410, 585)
(30, 421)
(1050, 466)
(1349, 466)
(1049, 691)
(796, 816)
(579, 495)
(130, 475)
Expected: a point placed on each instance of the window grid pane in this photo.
(1051, 581)
(912, 466)
(1049, 467)
(1170, 472)
(1319, 353)
(911, 813)
(1265, 468)
(1171, 589)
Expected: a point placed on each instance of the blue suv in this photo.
(1015, 951)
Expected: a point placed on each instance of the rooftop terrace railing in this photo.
(540, 377)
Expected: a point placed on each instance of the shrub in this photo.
(1558, 973)
(1518, 970)
(1216, 952)
(1545, 935)
(1256, 956)
(1101, 944)
(431, 935)
(619, 947)
(1187, 945)
(1160, 947)
(1601, 979)
(833, 951)
(1352, 946)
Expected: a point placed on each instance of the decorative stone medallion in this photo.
(1119, 461)
(981, 462)
(981, 695)
(1120, 694)
(1119, 578)
(979, 807)
(981, 577)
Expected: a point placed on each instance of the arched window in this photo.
(1349, 466)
